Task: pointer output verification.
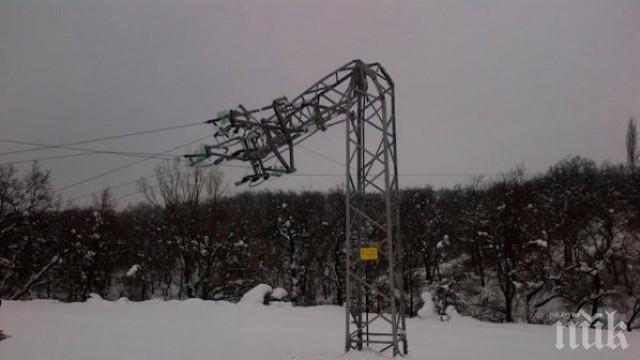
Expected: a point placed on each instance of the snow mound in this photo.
(193, 301)
(428, 309)
(94, 298)
(256, 295)
(279, 293)
(452, 312)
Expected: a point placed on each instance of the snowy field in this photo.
(195, 329)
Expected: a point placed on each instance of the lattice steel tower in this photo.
(361, 96)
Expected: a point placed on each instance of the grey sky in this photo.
(481, 85)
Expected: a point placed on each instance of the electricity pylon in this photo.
(361, 96)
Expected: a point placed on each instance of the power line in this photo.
(134, 193)
(146, 177)
(303, 138)
(405, 175)
(128, 165)
(86, 151)
(44, 159)
(447, 175)
(226, 187)
(322, 155)
(119, 153)
(117, 186)
(246, 169)
(143, 132)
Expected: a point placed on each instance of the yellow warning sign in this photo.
(368, 253)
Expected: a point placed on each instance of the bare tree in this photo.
(177, 183)
(24, 203)
(182, 192)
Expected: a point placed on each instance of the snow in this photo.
(133, 270)
(94, 298)
(218, 330)
(256, 295)
(540, 243)
(452, 312)
(279, 293)
(428, 309)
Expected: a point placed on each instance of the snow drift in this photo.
(218, 330)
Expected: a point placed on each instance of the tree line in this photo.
(512, 248)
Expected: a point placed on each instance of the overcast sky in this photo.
(481, 86)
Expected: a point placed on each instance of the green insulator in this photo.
(278, 170)
(223, 116)
(203, 152)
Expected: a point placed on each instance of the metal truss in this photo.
(371, 169)
(361, 96)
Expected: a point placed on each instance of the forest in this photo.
(513, 248)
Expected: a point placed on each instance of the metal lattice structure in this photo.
(361, 96)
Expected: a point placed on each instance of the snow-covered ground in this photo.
(195, 329)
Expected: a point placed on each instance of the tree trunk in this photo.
(34, 278)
